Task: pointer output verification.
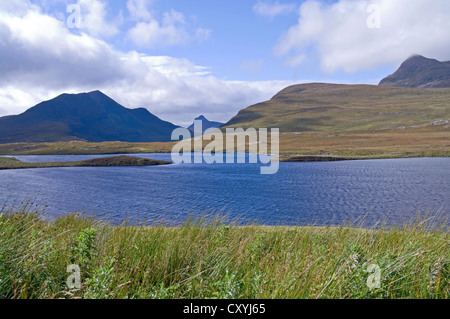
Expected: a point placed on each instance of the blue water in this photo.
(392, 191)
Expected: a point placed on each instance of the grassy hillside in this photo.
(361, 121)
(215, 260)
(339, 108)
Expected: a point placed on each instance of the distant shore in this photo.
(310, 158)
(294, 147)
(114, 161)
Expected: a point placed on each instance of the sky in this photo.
(180, 59)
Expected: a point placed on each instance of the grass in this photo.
(418, 142)
(13, 163)
(211, 259)
(83, 148)
(412, 142)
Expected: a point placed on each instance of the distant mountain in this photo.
(321, 107)
(420, 72)
(92, 117)
(206, 124)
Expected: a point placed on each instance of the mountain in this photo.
(420, 72)
(92, 117)
(319, 107)
(206, 124)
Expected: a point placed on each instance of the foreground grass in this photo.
(213, 260)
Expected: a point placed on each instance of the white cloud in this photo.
(173, 30)
(168, 66)
(40, 59)
(203, 34)
(273, 9)
(139, 9)
(40, 50)
(94, 19)
(339, 33)
(153, 34)
(14, 100)
(15, 6)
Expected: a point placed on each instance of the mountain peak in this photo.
(206, 124)
(419, 62)
(417, 57)
(97, 92)
(420, 72)
(92, 117)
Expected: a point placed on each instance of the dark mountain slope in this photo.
(420, 72)
(206, 124)
(92, 117)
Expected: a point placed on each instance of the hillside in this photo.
(420, 72)
(321, 107)
(92, 117)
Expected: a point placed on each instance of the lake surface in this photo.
(331, 193)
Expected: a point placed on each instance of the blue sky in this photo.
(183, 58)
(240, 44)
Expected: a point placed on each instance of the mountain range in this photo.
(416, 95)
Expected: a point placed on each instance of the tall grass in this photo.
(211, 259)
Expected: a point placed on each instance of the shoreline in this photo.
(317, 158)
(13, 163)
(7, 163)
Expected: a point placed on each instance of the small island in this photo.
(114, 161)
